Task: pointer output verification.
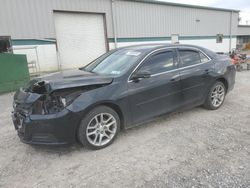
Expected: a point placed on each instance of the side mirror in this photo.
(140, 75)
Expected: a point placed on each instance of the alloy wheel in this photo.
(218, 95)
(101, 129)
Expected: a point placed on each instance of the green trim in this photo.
(140, 39)
(22, 42)
(18, 42)
(151, 39)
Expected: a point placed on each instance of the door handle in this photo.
(206, 73)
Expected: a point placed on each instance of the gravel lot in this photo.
(195, 148)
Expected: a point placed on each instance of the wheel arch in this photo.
(224, 81)
(117, 109)
(109, 104)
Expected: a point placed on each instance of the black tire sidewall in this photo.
(81, 134)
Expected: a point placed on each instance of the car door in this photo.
(195, 73)
(161, 92)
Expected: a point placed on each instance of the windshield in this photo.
(115, 63)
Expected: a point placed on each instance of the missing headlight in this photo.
(54, 103)
(48, 105)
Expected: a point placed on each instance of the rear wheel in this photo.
(99, 128)
(216, 96)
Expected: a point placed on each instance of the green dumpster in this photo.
(14, 71)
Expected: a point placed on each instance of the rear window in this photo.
(189, 57)
(204, 58)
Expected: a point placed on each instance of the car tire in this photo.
(99, 128)
(216, 96)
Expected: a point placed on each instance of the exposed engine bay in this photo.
(50, 101)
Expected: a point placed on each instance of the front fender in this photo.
(110, 95)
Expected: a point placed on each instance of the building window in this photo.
(246, 39)
(175, 39)
(5, 44)
(219, 38)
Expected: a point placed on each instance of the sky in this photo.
(242, 5)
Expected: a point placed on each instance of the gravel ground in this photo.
(195, 148)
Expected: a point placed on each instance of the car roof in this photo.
(156, 46)
(146, 48)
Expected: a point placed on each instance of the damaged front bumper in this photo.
(53, 129)
(48, 129)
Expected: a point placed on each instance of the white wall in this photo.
(211, 44)
(47, 56)
(122, 44)
(48, 61)
(206, 43)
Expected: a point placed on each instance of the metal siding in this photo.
(243, 30)
(137, 19)
(33, 19)
(235, 22)
(183, 5)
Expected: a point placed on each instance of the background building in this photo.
(63, 34)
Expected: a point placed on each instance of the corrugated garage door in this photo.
(80, 38)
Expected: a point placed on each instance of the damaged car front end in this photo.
(41, 112)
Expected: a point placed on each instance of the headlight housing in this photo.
(55, 102)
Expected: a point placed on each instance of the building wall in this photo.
(45, 56)
(243, 30)
(243, 35)
(136, 23)
(138, 19)
(33, 19)
(209, 43)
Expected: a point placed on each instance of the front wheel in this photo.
(216, 96)
(99, 128)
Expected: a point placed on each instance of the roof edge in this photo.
(159, 2)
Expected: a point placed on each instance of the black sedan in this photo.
(120, 89)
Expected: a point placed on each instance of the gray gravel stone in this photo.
(194, 148)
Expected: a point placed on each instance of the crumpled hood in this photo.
(71, 79)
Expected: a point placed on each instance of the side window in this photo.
(160, 62)
(204, 58)
(189, 57)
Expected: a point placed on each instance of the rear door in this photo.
(196, 70)
(161, 92)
